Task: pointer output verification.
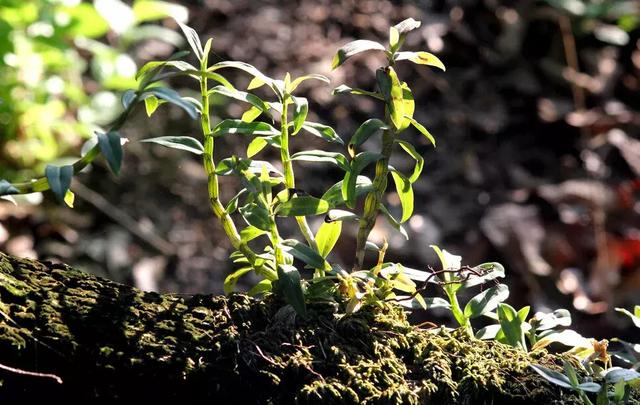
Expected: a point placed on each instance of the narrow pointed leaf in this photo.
(511, 325)
(300, 111)
(251, 114)
(69, 198)
(421, 58)
(358, 164)
(256, 216)
(340, 215)
(186, 143)
(409, 106)
(486, 301)
(354, 48)
(260, 288)
(250, 233)
(59, 179)
(111, 149)
(405, 192)
(422, 130)
(232, 279)
(193, 40)
(404, 26)
(255, 146)
(392, 221)
(335, 158)
(334, 194)
(552, 376)
(290, 284)
(295, 83)
(174, 98)
(322, 131)
(127, 98)
(304, 253)
(342, 89)
(364, 132)
(230, 126)
(151, 104)
(242, 96)
(327, 236)
(411, 151)
(302, 206)
(392, 91)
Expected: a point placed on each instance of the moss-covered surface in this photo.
(108, 341)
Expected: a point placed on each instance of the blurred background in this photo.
(537, 122)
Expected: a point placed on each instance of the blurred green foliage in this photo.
(62, 63)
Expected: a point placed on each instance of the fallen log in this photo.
(110, 342)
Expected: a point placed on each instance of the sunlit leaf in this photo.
(354, 48)
(422, 130)
(232, 279)
(59, 178)
(296, 82)
(327, 236)
(322, 131)
(346, 89)
(302, 206)
(151, 104)
(392, 221)
(250, 233)
(335, 158)
(421, 58)
(340, 215)
(262, 287)
(173, 97)
(405, 192)
(242, 96)
(411, 151)
(486, 301)
(357, 165)
(364, 132)
(193, 40)
(635, 317)
(511, 325)
(69, 198)
(186, 143)
(404, 26)
(300, 111)
(391, 90)
(231, 126)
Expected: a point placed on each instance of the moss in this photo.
(112, 342)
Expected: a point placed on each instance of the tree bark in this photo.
(111, 342)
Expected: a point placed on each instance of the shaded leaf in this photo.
(256, 216)
(346, 89)
(174, 98)
(295, 83)
(252, 99)
(392, 221)
(486, 301)
(357, 165)
(511, 326)
(335, 158)
(334, 194)
(59, 179)
(192, 39)
(111, 148)
(232, 279)
(230, 126)
(300, 111)
(290, 285)
(127, 98)
(552, 376)
(322, 131)
(391, 90)
(364, 132)
(422, 130)
(262, 287)
(411, 151)
(304, 253)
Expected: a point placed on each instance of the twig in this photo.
(30, 373)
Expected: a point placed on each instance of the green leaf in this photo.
(256, 216)
(232, 205)
(346, 89)
(364, 132)
(193, 40)
(404, 26)
(405, 192)
(250, 233)
(322, 131)
(7, 188)
(294, 84)
(340, 215)
(302, 206)
(409, 106)
(111, 149)
(127, 98)
(335, 158)
(151, 105)
(421, 58)
(393, 94)
(392, 221)
(486, 301)
(394, 39)
(291, 286)
(255, 146)
(300, 111)
(490, 271)
(617, 374)
(260, 77)
(552, 376)
(178, 142)
(411, 151)
(252, 99)
(304, 253)
(358, 164)
(69, 198)
(354, 48)
(489, 332)
(327, 236)
(422, 130)
(150, 10)
(174, 98)
(251, 114)
(232, 279)
(230, 126)
(262, 287)
(635, 318)
(334, 194)
(59, 179)
(589, 387)
(571, 374)
(511, 326)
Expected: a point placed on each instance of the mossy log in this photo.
(110, 342)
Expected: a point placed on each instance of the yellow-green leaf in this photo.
(421, 58)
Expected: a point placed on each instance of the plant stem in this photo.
(458, 314)
(374, 197)
(212, 186)
(289, 179)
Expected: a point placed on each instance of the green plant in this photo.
(49, 50)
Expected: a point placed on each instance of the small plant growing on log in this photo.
(270, 192)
